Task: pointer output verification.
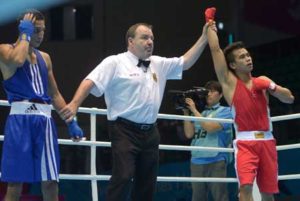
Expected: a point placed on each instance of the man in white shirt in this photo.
(133, 83)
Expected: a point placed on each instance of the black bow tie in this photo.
(145, 63)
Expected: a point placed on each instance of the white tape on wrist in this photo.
(25, 37)
(272, 86)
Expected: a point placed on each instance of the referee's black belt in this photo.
(131, 124)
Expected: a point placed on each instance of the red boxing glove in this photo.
(210, 14)
(262, 84)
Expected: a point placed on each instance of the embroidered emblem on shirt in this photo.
(154, 77)
(134, 74)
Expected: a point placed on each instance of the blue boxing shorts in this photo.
(30, 149)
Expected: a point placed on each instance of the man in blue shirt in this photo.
(209, 134)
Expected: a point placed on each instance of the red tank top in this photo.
(250, 108)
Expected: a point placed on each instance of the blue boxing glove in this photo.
(26, 29)
(75, 131)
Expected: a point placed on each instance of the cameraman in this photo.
(209, 134)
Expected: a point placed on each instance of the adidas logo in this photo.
(32, 109)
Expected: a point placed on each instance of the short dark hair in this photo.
(228, 51)
(37, 14)
(213, 85)
(131, 31)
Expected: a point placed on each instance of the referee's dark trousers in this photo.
(135, 157)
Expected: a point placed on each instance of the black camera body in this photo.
(198, 95)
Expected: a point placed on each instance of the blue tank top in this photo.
(29, 82)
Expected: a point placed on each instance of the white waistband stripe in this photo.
(29, 108)
(254, 135)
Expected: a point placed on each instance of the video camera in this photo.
(197, 94)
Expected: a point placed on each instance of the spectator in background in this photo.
(209, 134)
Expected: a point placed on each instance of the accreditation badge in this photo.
(154, 77)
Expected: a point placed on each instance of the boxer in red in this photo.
(255, 146)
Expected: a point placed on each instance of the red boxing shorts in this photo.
(257, 159)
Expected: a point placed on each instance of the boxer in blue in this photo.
(30, 150)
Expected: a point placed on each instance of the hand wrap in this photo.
(74, 130)
(26, 29)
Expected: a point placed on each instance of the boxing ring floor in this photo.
(93, 144)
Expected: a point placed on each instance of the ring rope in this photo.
(164, 146)
(93, 177)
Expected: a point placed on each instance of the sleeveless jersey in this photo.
(30, 148)
(29, 82)
(250, 108)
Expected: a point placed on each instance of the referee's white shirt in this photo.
(130, 92)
